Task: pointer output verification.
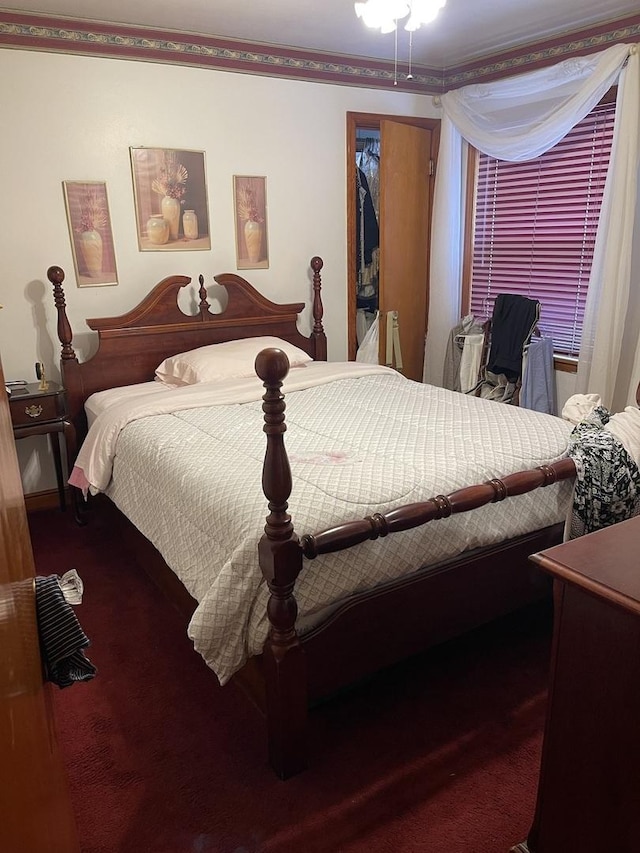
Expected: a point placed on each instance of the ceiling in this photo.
(464, 30)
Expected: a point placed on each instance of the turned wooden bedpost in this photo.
(69, 365)
(318, 329)
(281, 562)
(65, 336)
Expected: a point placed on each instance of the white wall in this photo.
(74, 118)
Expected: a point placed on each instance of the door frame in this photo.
(371, 121)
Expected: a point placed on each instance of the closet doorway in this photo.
(392, 276)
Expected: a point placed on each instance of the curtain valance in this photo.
(522, 117)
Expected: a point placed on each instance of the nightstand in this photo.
(36, 412)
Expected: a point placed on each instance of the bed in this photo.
(425, 581)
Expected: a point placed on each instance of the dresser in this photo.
(35, 411)
(589, 786)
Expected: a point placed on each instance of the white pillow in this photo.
(230, 360)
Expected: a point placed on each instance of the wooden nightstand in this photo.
(36, 412)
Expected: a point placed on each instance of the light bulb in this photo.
(423, 12)
(382, 14)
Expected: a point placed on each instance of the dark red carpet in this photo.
(438, 755)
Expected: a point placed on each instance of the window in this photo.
(535, 226)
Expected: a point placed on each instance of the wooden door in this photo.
(35, 816)
(405, 202)
(408, 161)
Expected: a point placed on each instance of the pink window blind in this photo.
(535, 227)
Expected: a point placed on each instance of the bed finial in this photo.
(202, 293)
(318, 329)
(65, 335)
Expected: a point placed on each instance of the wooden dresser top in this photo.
(606, 562)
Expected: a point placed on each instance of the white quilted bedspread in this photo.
(191, 482)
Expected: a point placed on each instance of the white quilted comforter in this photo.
(190, 480)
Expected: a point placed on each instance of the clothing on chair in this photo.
(538, 390)
(454, 352)
(471, 360)
(496, 386)
(513, 321)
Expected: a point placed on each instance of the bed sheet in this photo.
(103, 400)
(191, 482)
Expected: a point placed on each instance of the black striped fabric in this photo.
(61, 637)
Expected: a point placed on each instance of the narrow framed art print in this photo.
(89, 223)
(170, 194)
(250, 205)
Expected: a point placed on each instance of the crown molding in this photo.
(114, 41)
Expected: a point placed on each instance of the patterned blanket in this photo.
(607, 486)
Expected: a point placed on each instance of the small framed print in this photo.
(170, 194)
(90, 232)
(250, 206)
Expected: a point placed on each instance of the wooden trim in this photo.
(565, 364)
(353, 122)
(469, 219)
(37, 501)
(435, 148)
(371, 121)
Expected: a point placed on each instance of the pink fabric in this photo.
(78, 480)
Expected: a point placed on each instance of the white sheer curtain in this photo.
(518, 119)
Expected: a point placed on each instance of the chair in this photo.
(507, 337)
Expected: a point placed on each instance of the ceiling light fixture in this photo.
(385, 14)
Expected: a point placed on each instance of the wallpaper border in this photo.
(88, 38)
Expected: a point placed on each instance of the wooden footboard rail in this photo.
(442, 506)
(281, 555)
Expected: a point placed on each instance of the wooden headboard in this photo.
(131, 346)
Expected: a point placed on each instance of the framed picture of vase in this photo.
(250, 205)
(170, 193)
(89, 222)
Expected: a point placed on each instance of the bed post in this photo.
(71, 382)
(65, 336)
(280, 558)
(318, 329)
(69, 366)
